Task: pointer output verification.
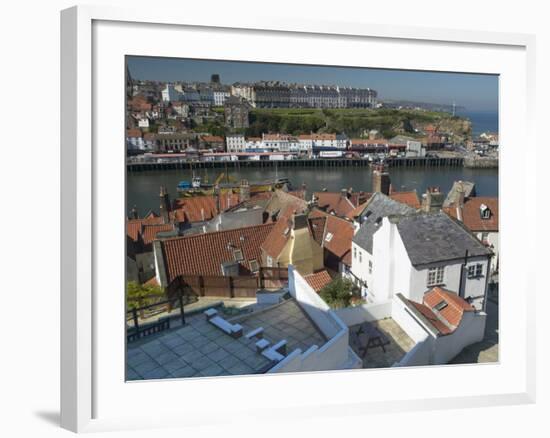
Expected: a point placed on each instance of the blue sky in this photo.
(475, 92)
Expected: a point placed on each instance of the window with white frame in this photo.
(475, 271)
(435, 276)
(355, 252)
(254, 265)
(269, 261)
(370, 266)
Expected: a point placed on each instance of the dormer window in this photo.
(238, 255)
(254, 266)
(484, 211)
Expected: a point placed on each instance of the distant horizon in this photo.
(472, 91)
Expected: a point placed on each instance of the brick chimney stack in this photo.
(381, 179)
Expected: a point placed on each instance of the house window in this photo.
(484, 211)
(435, 276)
(441, 305)
(354, 252)
(328, 237)
(360, 258)
(238, 255)
(370, 266)
(484, 238)
(475, 271)
(254, 265)
(269, 261)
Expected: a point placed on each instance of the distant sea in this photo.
(482, 121)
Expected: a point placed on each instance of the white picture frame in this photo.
(93, 396)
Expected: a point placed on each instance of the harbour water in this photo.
(143, 187)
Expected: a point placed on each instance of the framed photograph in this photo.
(305, 218)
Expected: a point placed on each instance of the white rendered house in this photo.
(412, 253)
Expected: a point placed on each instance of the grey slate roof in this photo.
(436, 237)
(379, 206)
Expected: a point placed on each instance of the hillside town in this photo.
(275, 121)
(279, 279)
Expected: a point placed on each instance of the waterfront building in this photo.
(135, 142)
(254, 144)
(308, 142)
(235, 143)
(280, 143)
(212, 142)
(174, 141)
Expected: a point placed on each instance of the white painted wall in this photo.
(313, 304)
(470, 330)
(366, 312)
(418, 355)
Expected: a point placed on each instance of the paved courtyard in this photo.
(375, 357)
(201, 349)
(284, 321)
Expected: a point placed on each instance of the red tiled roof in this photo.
(202, 208)
(300, 194)
(274, 137)
(369, 142)
(279, 235)
(342, 234)
(133, 229)
(448, 318)
(432, 318)
(317, 137)
(317, 226)
(409, 198)
(212, 138)
(352, 214)
(340, 205)
(471, 216)
(203, 254)
(455, 308)
(134, 226)
(133, 132)
(149, 232)
(318, 280)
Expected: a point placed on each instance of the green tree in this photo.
(338, 292)
(140, 295)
